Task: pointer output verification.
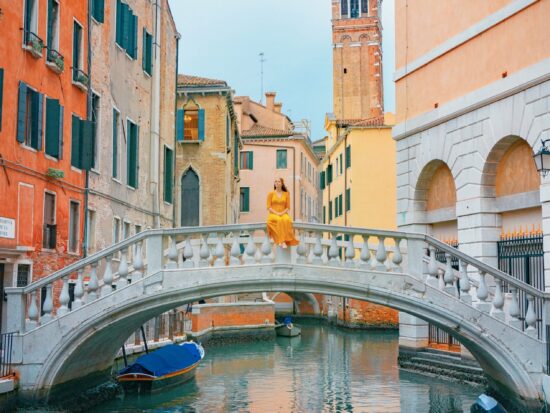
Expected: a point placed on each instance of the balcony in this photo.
(80, 79)
(55, 61)
(33, 44)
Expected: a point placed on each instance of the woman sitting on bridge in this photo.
(279, 223)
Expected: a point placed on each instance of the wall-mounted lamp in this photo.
(542, 159)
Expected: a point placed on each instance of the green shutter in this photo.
(115, 144)
(76, 49)
(36, 120)
(132, 155)
(329, 211)
(60, 142)
(21, 112)
(98, 10)
(329, 174)
(168, 174)
(75, 142)
(147, 55)
(119, 23)
(348, 156)
(52, 127)
(49, 28)
(251, 160)
(125, 25)
(245, 199)
(134, 47)
(201, 125)
(348, 199)
(340, 205)
(144, 51)
(180, 123)
(86, 144)
(324, 215)
(341, 164)
(1, 94)
(322, 180)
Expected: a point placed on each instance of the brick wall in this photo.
(207, 316)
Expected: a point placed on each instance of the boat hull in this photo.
(142, 384)
(284, 331)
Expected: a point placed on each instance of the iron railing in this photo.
(441, 337)
(6, 343)
(523, 258)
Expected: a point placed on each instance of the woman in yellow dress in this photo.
(279, 223)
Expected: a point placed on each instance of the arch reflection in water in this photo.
(324, 370)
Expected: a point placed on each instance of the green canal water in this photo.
(326, 369)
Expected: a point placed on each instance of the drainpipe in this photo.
(155, 119)
(178, 37)
(88, 117)
(345, 179)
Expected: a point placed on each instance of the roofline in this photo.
(301, 138)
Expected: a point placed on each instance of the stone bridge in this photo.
(120, 288)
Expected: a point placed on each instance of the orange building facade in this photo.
(43, 98)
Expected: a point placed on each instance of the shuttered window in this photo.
(344, 8)
(247, 160)
(341, 164)
(96, 125)
(354, 9)
(340, 204)
(336, 210)
(147, 56)
(329, 211)
(132, 158)
(281, 158)
(201, 124)
(116, 120)
(348, 156)
(365, 7)
(180, 122)
(82, 143)
(322, 180)
(29, 117)
(98, 10)
(324, 215)
(77, 52)
(1, 94)
(54, 128)
(168, 174)
(329, 174)
(348, 199)
(126, 29)
(245, 199)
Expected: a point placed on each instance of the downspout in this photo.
(178, 37)
(345, 179)
(155, 120)
(89, 118)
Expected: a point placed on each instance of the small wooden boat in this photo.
(168, 366)
(287, 329)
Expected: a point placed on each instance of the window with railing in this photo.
(31, 39)
(52, 38)
(23, 275)
(79, 76)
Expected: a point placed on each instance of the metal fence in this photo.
(523, 258)
(6, 342)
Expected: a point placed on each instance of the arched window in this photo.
(190, 200)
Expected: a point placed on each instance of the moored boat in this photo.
(168, 366)
(287, 328)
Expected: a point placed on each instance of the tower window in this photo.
(354, 8)
(344, 8)
(345, 70)
(365, 7)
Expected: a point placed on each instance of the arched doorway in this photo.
(190, 199)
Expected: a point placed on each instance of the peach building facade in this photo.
(472, 108)
(272, 149)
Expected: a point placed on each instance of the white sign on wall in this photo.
(7, 228)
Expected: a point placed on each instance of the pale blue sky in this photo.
(221, 39)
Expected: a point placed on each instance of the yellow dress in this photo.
(279, 228)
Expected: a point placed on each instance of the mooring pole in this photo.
(144, 340)
(124, 356)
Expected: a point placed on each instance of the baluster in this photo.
(531, 317)
(397, 258)
(433, 270)
(317, 250)
(301, 250)
(32, 322)
(219, 252)
(64, 298)
(350, 253)
(204, 252)
(79, 290)
(333, 258)
(464, 283)
(365, 253)
(138, 263)
(250, 251)
(122, 270)
(381, 255)
(107, 277)
(47, 307)
(93, 283)
(235, 251)
(498, 301)
(513, 309)
(266, 250)
(188, 254)
(483, 294)
(449, 276)
(172, 254)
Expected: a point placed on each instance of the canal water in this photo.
(326, 369)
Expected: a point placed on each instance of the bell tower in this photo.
(357, 59)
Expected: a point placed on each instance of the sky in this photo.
(222, 39)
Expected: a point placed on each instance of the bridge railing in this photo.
(150, 251)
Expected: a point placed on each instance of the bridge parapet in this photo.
(152, 251)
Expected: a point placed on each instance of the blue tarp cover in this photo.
(165, 360)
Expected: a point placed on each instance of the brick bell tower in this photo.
(357, 59)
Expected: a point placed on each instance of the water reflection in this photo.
(324, 370)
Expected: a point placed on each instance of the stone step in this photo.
(446, 364)
(443, 369)
(446, 355)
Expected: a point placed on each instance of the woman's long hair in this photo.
(283, 186)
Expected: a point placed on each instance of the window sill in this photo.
(29, 148)
(32, 51)
(55, 68)
(147, 75)
(120, 49)
(190, 142)
(49, 250)
(168, 204)
(118, 181)
(95, 171)
(73, 253)
(130, 187)
(80, 85)
(95, 21)
(51, 157)
(75, 169)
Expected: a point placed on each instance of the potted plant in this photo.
(82, 78)
(57, 59)
(55, 173)
(36, 44)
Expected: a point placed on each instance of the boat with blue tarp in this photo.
(287, 328)
(167, 366)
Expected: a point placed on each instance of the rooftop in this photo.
(188, 80)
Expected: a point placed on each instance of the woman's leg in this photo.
(274, 228)
(288, 230)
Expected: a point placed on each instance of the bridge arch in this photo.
(95, 339)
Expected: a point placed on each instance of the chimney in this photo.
(277, 107)
(270, 100)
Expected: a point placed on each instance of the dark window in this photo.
(29, 117)
(132, 155)
(245, 199)
(354, 9)
(126, 29)
(77, 53)
(329, 174)
(98, 10)
(168, 174)
(147, 56)
(281, 158)
(190, 189)
(52, 34)
(348, 156)
(54, 128)
(341, 164)
(324, 215)
(31, 20)
(116, 119)
(247, 160)
(329, 211)
(74, 225)
(336, 210)
(23, 274)
(365, 7)
(95, 125)
(49, 238)
(340, 204)
(348, 199)
(322, 180)
(344, 8)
